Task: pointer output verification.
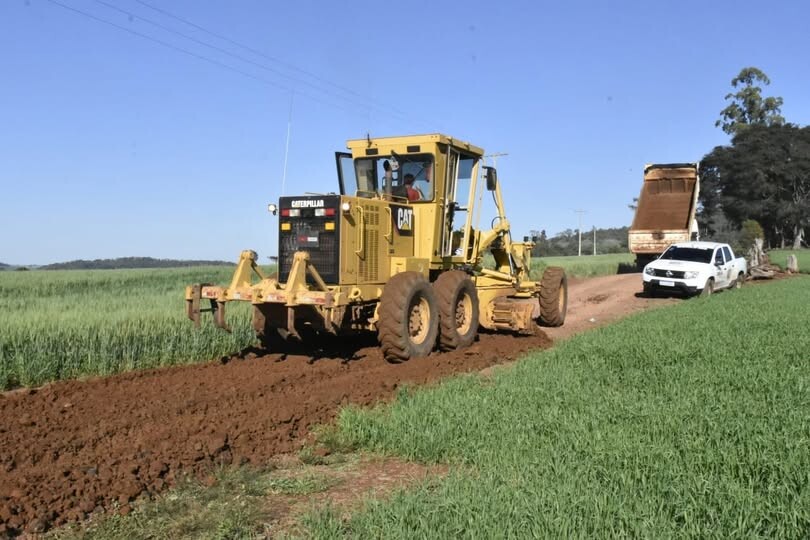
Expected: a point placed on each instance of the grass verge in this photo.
(692, 421)
(779, 256)
(232, 503)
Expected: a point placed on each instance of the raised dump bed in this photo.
(666, 209)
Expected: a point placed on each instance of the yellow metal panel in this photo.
(285, 226)
(329, 226)
(409, 264)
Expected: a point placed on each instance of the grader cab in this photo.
(399, 251)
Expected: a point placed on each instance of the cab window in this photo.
(398, 177)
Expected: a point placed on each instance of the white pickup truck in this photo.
(695, 268)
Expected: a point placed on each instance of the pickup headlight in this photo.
(649, 271)
(690, 275)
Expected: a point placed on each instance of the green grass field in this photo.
(691, 421)
(67, 324)
(587, 265)
(779, 256)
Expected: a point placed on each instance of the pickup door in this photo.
(724, 263)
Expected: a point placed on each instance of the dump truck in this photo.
(666, 210)
(399, 251)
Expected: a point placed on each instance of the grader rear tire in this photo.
(458, 310)
(409, 317)
(553, 296)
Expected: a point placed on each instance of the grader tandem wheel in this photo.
(415, 314)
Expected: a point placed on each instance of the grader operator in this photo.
(399, 251)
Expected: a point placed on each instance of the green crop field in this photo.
(67, 324)
(72, 323)
(588, 265)
(779, 256)
(691, 421)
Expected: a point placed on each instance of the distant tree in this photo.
(611, 240)
(751, 230)
(747, 106)
(130, 262)
(763, 175)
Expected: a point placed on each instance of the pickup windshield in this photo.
(688, 254)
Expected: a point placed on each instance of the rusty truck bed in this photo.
(666, 199)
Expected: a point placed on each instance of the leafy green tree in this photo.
(747, 106)
(751, 230)
(763, 175)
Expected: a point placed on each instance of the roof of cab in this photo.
(430, 138)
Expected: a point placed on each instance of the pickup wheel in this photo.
(738, 283)
(708, 289)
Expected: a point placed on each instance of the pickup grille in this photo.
(669, 274)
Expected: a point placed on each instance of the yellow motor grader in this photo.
(399, 251)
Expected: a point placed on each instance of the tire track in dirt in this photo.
(75, 447)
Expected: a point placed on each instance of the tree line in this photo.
(129, 262)
(610, 240)
(762, 178)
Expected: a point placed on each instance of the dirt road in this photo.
(74, 447)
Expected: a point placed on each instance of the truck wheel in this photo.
(553, 296)
(409, 317)
(738, 283)
(708, 289)
(644, 260)
(458, 310)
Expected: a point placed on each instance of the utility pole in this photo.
(579, 230)
(594, 239)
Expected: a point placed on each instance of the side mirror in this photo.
(492, 178)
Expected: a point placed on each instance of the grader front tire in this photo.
(553, 296)
(458, 310)
(409, 317)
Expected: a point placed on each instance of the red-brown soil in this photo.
(73, 447)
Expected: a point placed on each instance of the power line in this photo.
(231, 54)
(267, 56)
(198, 56)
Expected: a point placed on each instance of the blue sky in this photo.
(116, 145)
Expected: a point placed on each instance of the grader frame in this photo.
(372, 258)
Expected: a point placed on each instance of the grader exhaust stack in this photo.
(396, 253)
